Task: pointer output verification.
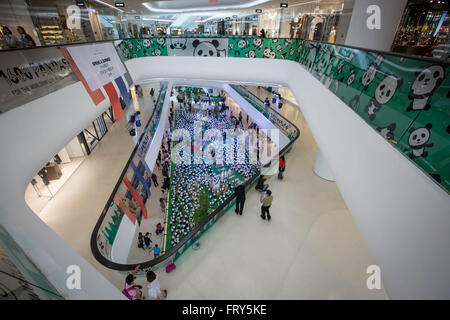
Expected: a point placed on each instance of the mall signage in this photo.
(32, 74)
(283, 5)
(119, 4)
(258, 10)
(100, 69)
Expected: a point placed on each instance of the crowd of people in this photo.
(222, 180)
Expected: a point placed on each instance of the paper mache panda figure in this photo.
(383, 94)
(417, 141)
(177, 43)
(206, 48)
(426, 82)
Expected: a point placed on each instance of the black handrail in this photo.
(167, 255)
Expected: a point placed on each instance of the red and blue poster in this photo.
(102, 73)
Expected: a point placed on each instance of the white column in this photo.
(321, 167)
(359, 34)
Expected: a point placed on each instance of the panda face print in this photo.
(250, 54)
(351, 78)
(242, 44)
(156, 52)
(206, 48)
(146, 43)
(279, 47)
(160, 41)
(368, 76)
(287, 42)
(419, 137)
(178, 43)
(130, 45)
(388, 132)
(291, 52)
(268, 53)
(386, 89)
(427, 80)
(231, 46)
(417, 141)
(257, 42)
(138, 47)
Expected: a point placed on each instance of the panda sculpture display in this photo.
(417, 141)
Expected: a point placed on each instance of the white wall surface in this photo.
(123, 240)
(74, 148)
(26, 145)
(401, 213)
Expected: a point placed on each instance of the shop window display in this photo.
(424, 27)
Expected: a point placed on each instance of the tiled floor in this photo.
(311, 249)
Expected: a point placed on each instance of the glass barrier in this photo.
(20, 279)
(135, 177)
(404, 98)
(290, 130)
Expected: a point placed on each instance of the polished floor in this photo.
(311, 249)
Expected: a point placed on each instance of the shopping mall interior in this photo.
(224, 150)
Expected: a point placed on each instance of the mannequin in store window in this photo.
(332, 36)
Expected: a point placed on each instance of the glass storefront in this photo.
(424, 28)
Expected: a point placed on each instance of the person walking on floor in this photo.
(162, 204)
(156, 250)
(147, 239)
(281, 167)
(266, 201)
(141, 241)
(239, 190)
(132, 291)
(155, 180)
(154, 289)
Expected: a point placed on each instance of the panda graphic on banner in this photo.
(199, 47)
